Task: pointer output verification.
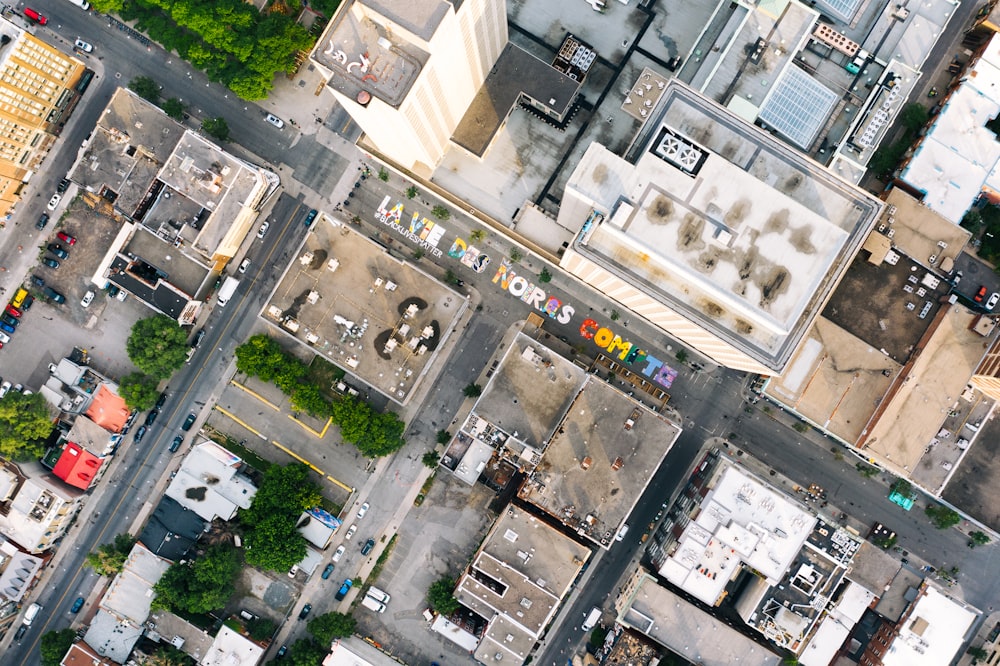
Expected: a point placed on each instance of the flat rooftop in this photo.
(920, 399)
(742, 521)
(379, 318)
(835, 380)
(920, 232)
(530, 392)
(720, 222)
(519, 577)
(365, 56)
(130, 593)
(957, 155)
(933, 631)
(599, 461)
(683, 628)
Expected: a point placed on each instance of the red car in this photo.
(12, 311)
(66, 238)
(40, 19)
(980, 295)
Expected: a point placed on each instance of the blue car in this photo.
(344, 589)
(7, 328)
(311, 216)
(77, 605)
(327, 571)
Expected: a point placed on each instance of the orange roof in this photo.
(81, 654)
(77, 466)
(108, 409)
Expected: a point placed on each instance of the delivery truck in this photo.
(592, 617)
(227, 290)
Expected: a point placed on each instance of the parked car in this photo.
(81, 45)
(139, 434)
(77, 605)
(63, 185)
(121, 295)
(176, 444)
(29, 300)
(88, 298)
(50, 262)
(37, 281)
(12, 311)
(367, 548)
(363, 510)
(282, 651)
(42, 221)
(4, 338)
(53, 295)
(57, 250)
(327, 571)
(294, 570)
(311, 216)
(162, 400)
(66, 238)
(350, 532)
(304, 613)
(7, 328)
(344, 589)
(4, 389)
(263, 229)
(244, 266)
(339, 554)
(980, 295)
(7, 319)
(188, 422)
(274, 120)
(151, 417)
(196, 340)
(33, 15)
(54, 201)
(994, 299)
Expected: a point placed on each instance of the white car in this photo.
(244, 266)
(274, 120)
(4, 338)
(81, 45)
(54, 201)
(263, 229)
(363, 510)
(122, 295)
(294, 570)
(88, 298)
(994, 299)
(350, 531)
(339, 554)
(4, 389)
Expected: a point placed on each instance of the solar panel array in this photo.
(798, 107)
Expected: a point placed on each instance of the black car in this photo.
(10, 321)
(50, 262)
(54, 295)
(28, 301)
(304, 613)
(196, 340)
(56, 249)
(42, 221)
(327, 571)
(20, 632)
(63, 185)
(152, 417)
(131, 419)
(367, 548)
(161, 400)
(188, 422)
(37, 281)
(139, 434)
(176, 444)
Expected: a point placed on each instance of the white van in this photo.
(621, 533)
(378, 595)
(31, 614)
(372, 604)
(592, 618)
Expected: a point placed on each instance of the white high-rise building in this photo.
(407, 70)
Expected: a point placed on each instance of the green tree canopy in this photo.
(157, 346)
(472, 390)
(261, 629)
(109, 559)
(25, 422)
(274, 544)
(200, 585)
(145, 87)
(216, 128)
(307, 652)
(942, 517)
(260, 356)
(174, 108)
(138, 390)
(329, 627)
(55, 645)
(441, 596)
(272, 540)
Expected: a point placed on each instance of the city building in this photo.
(210, 482)
(41, 85)
(18, 571)
(408, 71)
(36, 507)
(931, 632)
(714, 231)
(172, 530)
(81, 654)
(515, 583)
(77, 466)
(232, 649)
(76, 388)
(185, 204)
(353, 651)
(954, 161)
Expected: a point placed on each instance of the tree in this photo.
(272, 541)
(274, 544)
(978, 538)
(174, 108)
(260, 356)
(441, 596)
(516, 254)
(138, 390)
(157, 346)
(216, 128)
(913, 117)
(443, 437)
(473, 390)
(885, 541)
(25, 422)
(55, 645)
(329, 627)
(682, 356)
(942, 517)
(978, 653)
(440, 212)
(477, 235)
(307, 398)
(261, 629)
(201, 585)
(145, 87)
(545, 277)
(383, 175)
(866, 471)
(307, 652)
(109, 559)
(411, 191)
(430, 459)
(168, 655)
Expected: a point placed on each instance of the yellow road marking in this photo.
(247, 389)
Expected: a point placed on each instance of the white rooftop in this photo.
(231, 649)
(209, 484)
(958, 156)
(742, 521)
(131, 591)
(932, 632)
(836, 626)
